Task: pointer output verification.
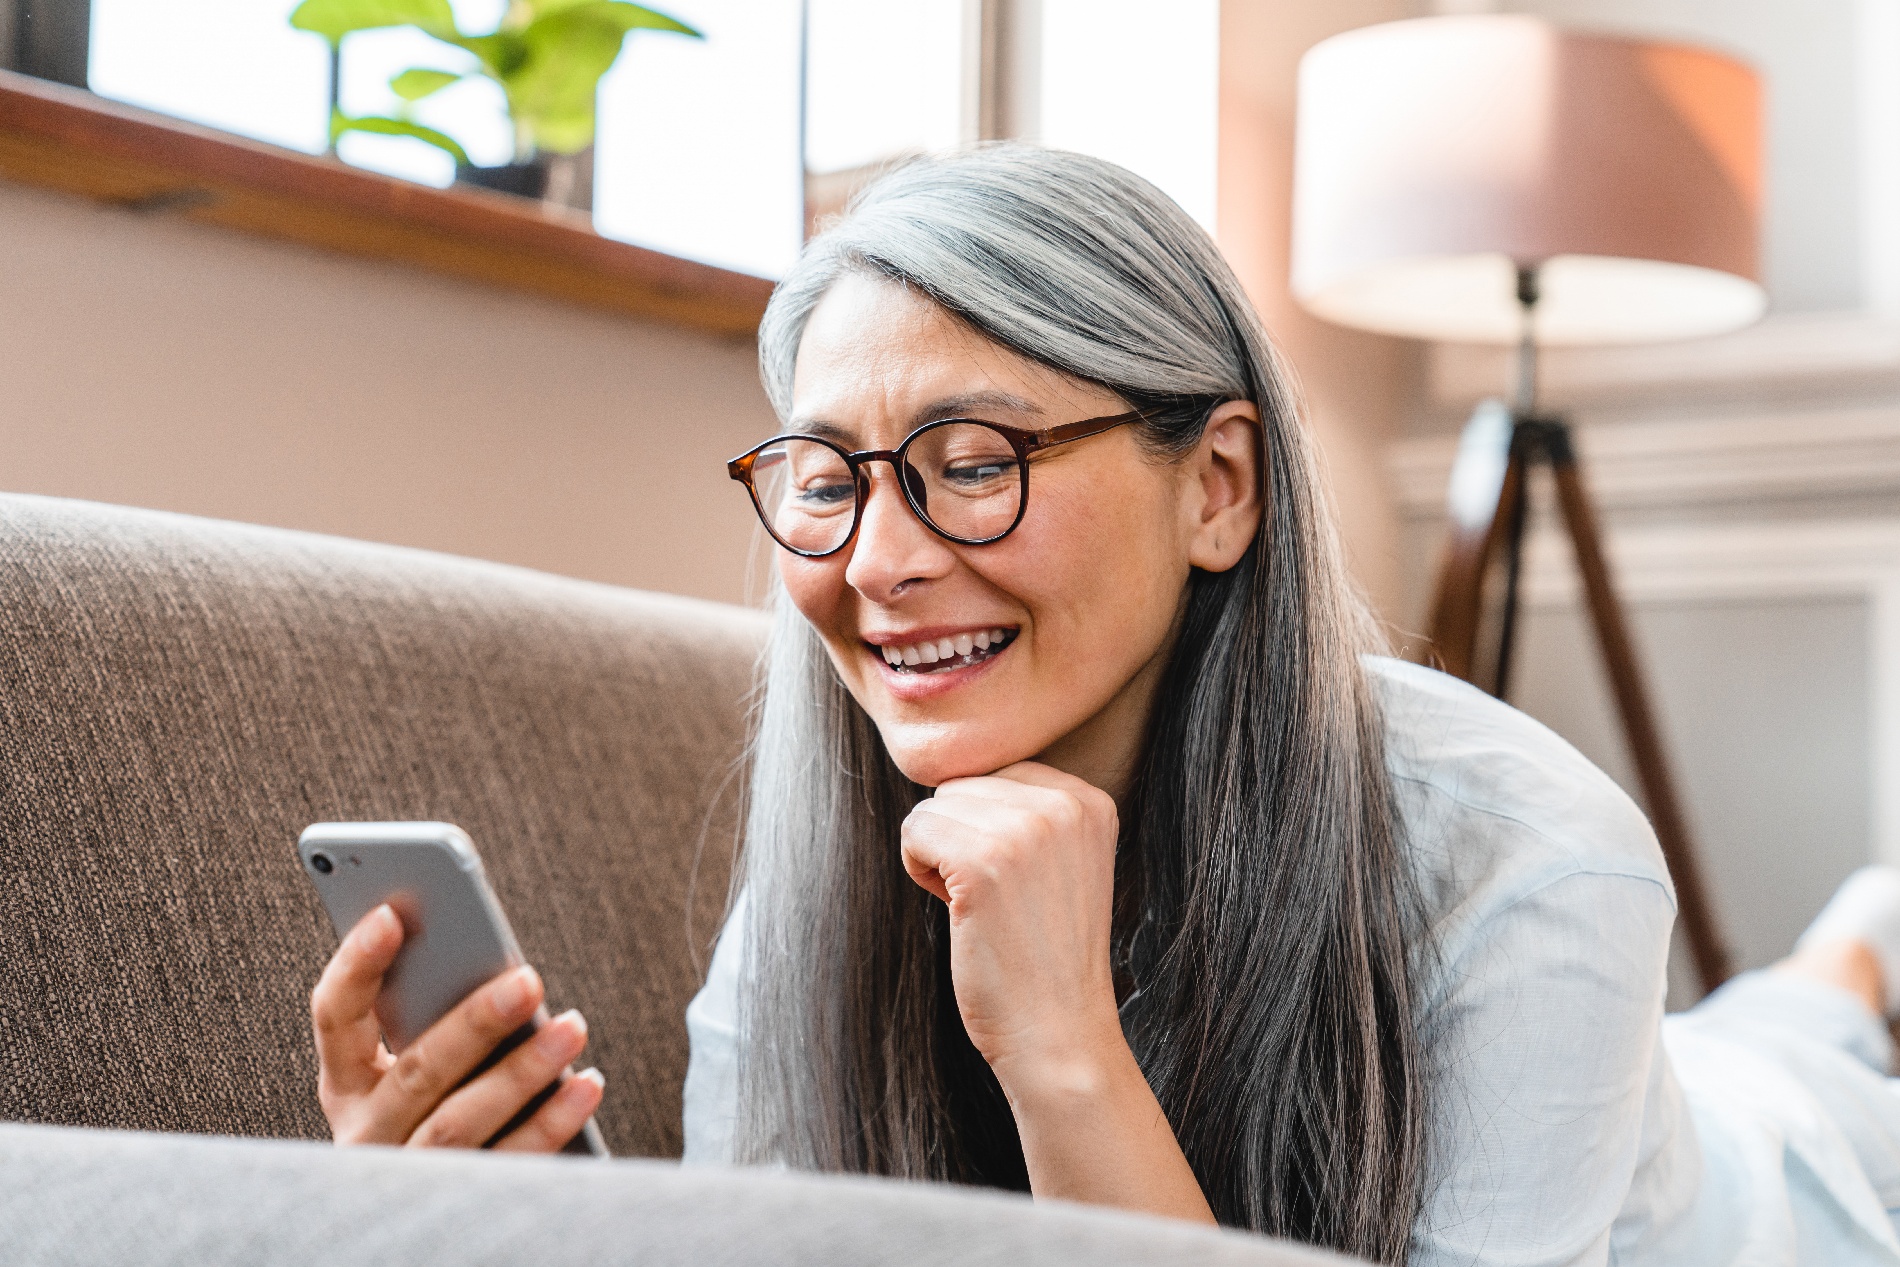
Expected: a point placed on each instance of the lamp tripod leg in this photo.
(1514, 510)
(1711, 957)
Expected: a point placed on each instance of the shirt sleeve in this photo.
(711, 1100)
(1544, 1037)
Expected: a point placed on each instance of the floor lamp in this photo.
(1498, 179)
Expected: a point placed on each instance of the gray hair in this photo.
(1265, 920)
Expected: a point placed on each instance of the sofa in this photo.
(179, 697)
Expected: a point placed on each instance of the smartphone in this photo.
(455, 937)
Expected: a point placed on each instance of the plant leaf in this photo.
(554, 89)
(334, 19)
(501, 54)
(382, 126)
(636, 17)
(420, 82)
(565, 134)
(628, 16)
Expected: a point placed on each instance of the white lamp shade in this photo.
(1435, 156)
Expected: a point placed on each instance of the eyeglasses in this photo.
(967, 480)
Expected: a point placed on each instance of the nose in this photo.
(893, 547)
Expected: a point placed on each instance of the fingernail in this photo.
(594, 1076)
(383, 922)
(562, 1036)
(514, 992)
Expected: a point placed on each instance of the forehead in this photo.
(876, 356)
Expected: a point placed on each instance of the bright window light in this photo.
(1138, 85)
(698, 148)
(231, 64)
(698, 152)
(882, 80)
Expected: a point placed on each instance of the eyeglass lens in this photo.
(963, 478)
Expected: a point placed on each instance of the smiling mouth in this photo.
(945, 654)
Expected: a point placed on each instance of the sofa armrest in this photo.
(83, 1197)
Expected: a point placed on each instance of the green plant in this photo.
(547, 55)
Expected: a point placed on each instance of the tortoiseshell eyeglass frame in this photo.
(1022, 440)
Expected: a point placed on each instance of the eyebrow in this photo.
(962, 405)
(968, 402)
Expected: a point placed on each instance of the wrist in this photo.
(1081, 1069)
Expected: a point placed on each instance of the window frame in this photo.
(47, 39)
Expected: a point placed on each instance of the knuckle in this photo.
(323, 1017)
(533, 1136)
(435, 1133)
(414, 1073)
(530, 1069)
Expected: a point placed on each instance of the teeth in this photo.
(957, 648)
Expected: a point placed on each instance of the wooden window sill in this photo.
(61, 138)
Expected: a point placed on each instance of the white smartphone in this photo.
(455, 937)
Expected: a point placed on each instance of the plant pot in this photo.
(564, 180)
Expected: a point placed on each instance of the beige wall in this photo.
(159, 363)
(154, 362)
(1357, 386)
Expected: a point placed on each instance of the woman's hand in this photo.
(1025, 858)
(373, 1097)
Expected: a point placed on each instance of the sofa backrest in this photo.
(180, 697)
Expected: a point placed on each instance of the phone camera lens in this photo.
(322, 863)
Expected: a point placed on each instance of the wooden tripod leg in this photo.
(1487, 481)
(1639, 722)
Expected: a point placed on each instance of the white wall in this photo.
(160, 363)
(1356, 388)
(1806, 54)
(1750, 488)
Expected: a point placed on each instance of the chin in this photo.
(933, 759)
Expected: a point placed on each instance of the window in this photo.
(697, 153)
(46, 38)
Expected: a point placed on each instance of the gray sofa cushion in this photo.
(88, 1197)
(179, 697)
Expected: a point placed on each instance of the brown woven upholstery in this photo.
(179, 697)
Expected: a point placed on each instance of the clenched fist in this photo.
(1025, 860)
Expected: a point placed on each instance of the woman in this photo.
(1088, 852)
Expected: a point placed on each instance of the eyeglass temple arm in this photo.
(1087, 427)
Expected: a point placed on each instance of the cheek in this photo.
(1101, 573)
(817, 589)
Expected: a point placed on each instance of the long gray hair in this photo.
(1265, 920)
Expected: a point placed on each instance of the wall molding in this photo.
(1793, 350)
(1712, 562)
(1753, 458)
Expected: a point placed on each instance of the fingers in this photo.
(975, 830)
(470, 1117)
(922, 853)
(429, 1068)
(561, 1118)
(1031, 784)
(342, 1006)
(1032, 774)
(942, 836)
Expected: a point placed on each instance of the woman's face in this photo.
(1078, 605)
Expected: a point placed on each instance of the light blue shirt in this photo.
(1562, 1133)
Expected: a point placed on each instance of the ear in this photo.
(1223, 500)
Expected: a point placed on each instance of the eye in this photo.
(825, 492)
(974, 473)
